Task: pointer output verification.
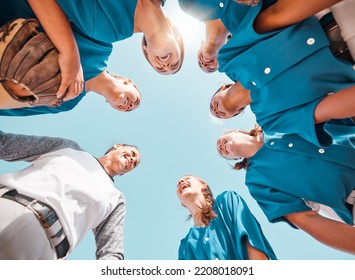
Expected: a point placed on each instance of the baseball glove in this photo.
(29, 69)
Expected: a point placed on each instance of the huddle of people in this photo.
(287, 60)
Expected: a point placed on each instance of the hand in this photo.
(207, 60)
(248, 2)
(72, 76)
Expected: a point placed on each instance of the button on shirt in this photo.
(306, 172)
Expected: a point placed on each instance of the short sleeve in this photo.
(244, 225)
(276, 204)
(304, 126)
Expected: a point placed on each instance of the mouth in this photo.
(183, 186)
(127, 163)
(222, 147)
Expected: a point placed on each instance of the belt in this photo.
(338, 46)
(47, 218)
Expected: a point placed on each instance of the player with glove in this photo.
(30, 73)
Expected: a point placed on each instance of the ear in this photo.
(183, 205)
(116, 146)
(145, 50)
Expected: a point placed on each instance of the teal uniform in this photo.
(289, 169)
(96, 25)
(284, 70)
(225, 237)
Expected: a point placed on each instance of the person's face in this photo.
(189, 190)
(163, 54)
(126, 95)
(231, 145)
(229, 101)
(206, 62)
(124, 158)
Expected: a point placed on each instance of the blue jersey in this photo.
(225, 237)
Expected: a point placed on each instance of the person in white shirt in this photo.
(48, 207)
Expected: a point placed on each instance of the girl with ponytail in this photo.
(292, 179)
(224, 228)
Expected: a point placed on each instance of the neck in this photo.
(107, 165)
(101, 84)
(195, 210)
(253, 145)
(152, 24)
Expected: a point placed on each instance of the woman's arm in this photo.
(339, 105)
(57, 26)
(216, 37)
(255, 254)
(335, 234)
(287, 12)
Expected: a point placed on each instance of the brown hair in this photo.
(179, 39)
(245, 162)
(206, 214)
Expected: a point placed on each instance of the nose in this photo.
(180, 182)
(214, 109)
(220, 145)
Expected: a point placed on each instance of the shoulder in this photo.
(227, 195)
(229, 199)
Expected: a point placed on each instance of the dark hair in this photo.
(206, 214)
(113, 147)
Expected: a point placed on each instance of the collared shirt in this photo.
(225, 237)
(288, 170)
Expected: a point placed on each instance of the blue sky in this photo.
(176, 135)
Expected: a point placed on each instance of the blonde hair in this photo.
(206, 214)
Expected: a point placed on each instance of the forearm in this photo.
(216, 36)
(286, 12)
(55, 23)
(339, 105)
(255, 254)
(109, 234)
(335, 234)
(15, 147)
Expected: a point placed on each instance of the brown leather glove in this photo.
(29, 69)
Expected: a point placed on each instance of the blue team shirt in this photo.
(225, 237)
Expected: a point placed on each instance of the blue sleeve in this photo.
(94, 54)
(181, 252)
(298, 120)
(245, 225)
(276, 204)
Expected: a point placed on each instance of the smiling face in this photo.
(125, 96)
(189, 190)
(230, 145)
(229, 101)
(123, 158)
(165, 50)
